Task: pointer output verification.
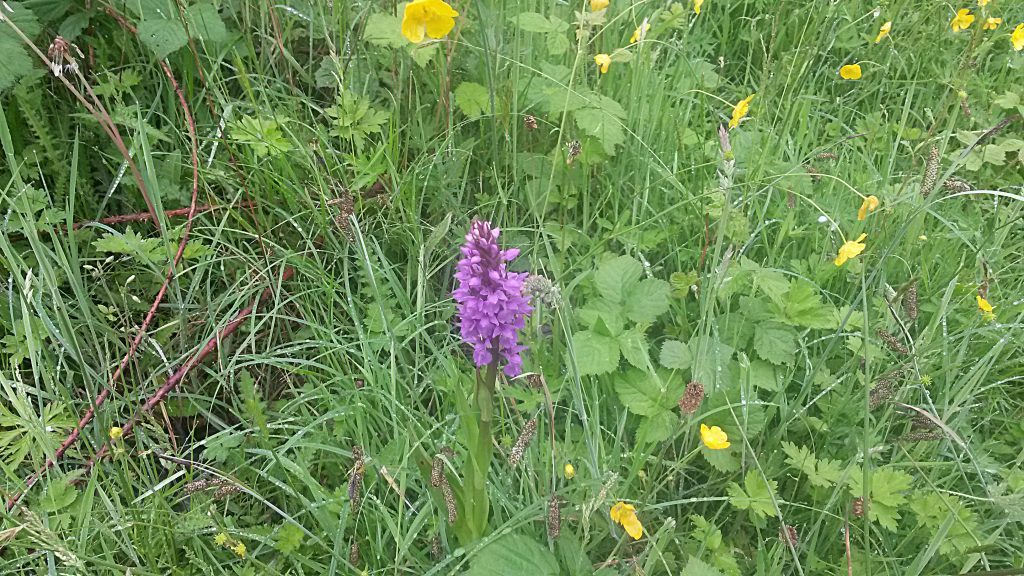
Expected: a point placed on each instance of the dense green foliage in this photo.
(875, 413)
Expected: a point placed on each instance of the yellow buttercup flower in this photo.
(740, 111)
(569, 470)
(714, 437)
(625, 514)
(869, 205)
(598, 5)
(422, 18)
(604, 61)
(883, 31)
(1017, 38)
(116, 433)
(962, 20)
(696, 6)
(850, 249)
(991, 23)
(850, 72)
(983, 2)
(220, 539)
(239, 549)
(640, 33)
(986, 309)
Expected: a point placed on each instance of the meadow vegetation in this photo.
(697, 287)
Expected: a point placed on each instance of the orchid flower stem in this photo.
(475, 497)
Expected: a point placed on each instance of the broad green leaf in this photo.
(772, 282)
(472, 98)
(601, 125)
(595, 353)
(162, 36)
(633, 345)
(616, 278)
(422, 53)
(657, 427)
(384, 30)
(16, 62)
(675, 355)
(726, 461)
(534, 22)
(513, 555)
(73, 26)
(289, 538)
(603, 317)
(557, 43)
(799, 457)
(1007, 100)
(648, 300)
(804, 307)
(647, 394)
(764, 375)
(204, 23)
(756, 494)
(697, 567)
(888, 487)
(775, 342)
(59, 495)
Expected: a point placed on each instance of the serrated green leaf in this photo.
(204, 23)
(675, 355)
(697, 567)
(557, 43)
(1007, 100)
(423, 53)
(726, 461)
(887, 494)
(633, 345)
(775, 342)
(616, 278)
(647, 300)
(534, 22)
(647, 394)
(73, 26)
(513, 555)
(657, 427)
(773, 283)
(608, 130)
(804, 307)
(756, 494)
(162, 36)
(384, 30)
(595, 353)
(472, 98)
(16, 62)
(289, 538)
(130, 243)
(764, 375)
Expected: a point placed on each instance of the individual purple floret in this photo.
(492, 307)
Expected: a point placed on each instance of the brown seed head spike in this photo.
(355, 479)
(931, 172)
(554, 517)
(522, 442)
(910, 301)
(788, 535)
(892, 342)
(692, 398)
(859, 507)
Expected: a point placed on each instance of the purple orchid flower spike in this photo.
(491, 305)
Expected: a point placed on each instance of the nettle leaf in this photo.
(764, 375)
(756, 494)
(595, 353)
(657, 428)
(513, 555)
(775, 342)
(162, 36)
(647, 394)
(772, 282)
(204, 23)
(384, 30)
(616, 278)
(633, 345)
(648, 300)
(675, 355)
(473, 99)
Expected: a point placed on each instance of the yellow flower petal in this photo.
(983, 305)
(740, 111)
(116, 433)
(640, 33)
(714, 437)
(696, 6)
(598, 5)
(604, 61)
(962, 20)
(633, 526)
(883, 31)
(422, 18)
(983, 2)
(569, 470)
(850, 72)
(991, 23)
(869, 205)
(850, 249)
(1017, 38)
(620, 510)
